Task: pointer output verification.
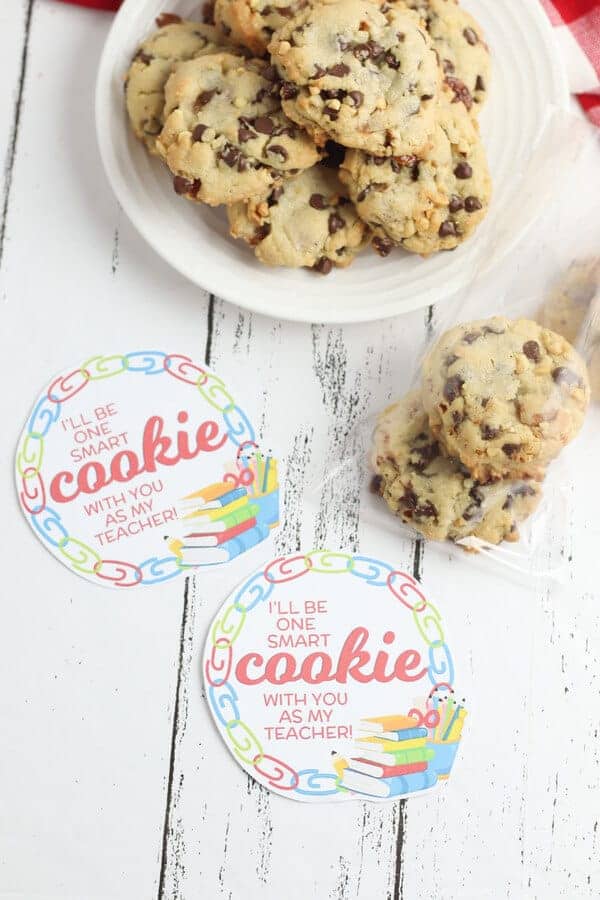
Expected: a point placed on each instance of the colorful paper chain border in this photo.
(258, 588)
(30, 455)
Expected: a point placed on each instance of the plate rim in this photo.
(102, 104)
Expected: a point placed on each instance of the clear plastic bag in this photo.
(563, 267)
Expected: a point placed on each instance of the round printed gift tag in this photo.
(329, 677)
(133, 468)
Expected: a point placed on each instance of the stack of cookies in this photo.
(465, 454)
(322, 126)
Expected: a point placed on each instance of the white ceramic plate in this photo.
(528, 80)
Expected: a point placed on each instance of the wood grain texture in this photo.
(115, 784)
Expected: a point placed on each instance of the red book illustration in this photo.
(214, 538)
(367, 767)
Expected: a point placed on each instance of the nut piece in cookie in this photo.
(360, 73)
(225, 136)
(152, 64)
(504, 396)
(463, 53)
(435, 493)
(251, 23)
(304, 221)
(428, 202)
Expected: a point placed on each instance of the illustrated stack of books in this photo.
(393, 758)
(221, 522)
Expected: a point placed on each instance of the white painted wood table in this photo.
(114, 784)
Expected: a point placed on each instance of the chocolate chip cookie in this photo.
(427, 202)
(435, 493)
(361, 73)
(462, 50)
(151, 66)
(504, 396)
(251, 23)
(225, 136)
(305, 221)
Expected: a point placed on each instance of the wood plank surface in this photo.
(114, 782)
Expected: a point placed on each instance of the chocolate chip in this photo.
(275, 195)
(461, 92)
(375, 486)
(183, 185)
(383, 246)
(399, 162)
(278, 150)
(230, 155)
(479, 84)
(476, 495)
(525, 490)
(202, 99)
(391, 60)
(361, 52)
(324, 266)
(263, 125)
(199, 131)
(451, 359)
(245, 134)
(488, 432)
(471, 336)
(335, 223)
(167, 19)
(457, 418)
(426, 511)
(453, 387)
(472, 204)
(401, 36)
(260, 234)
(532, 351)
(470, 36)
(318, 201)
(447, 229)
(455, 204)
(511, 450)
(562, 375)
(426, 97)
(208, 13)
(508, 502)
(363, 195)
(357, 98)
(409, 498)
(463, 170)
(288, 91)
(426, 455)
(448, 66)
(318, 73)
(143, 57)
(270, 73)
(339, 70)
(331, 113)
(376, 51)
(332, 95)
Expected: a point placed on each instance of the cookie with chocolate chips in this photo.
(463, 53)
(155, 58)
(361, 73)
(225, 137)
(251, 23)
(504, 397)
(305, 221)
(427, 202)
(435, 493)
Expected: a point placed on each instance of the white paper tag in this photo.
(133, 468)
(329, 677)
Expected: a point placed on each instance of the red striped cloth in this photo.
(577, 24)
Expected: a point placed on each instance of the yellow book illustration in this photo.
(391, 746)
(209, 493)
(210, 515)
(387, 723)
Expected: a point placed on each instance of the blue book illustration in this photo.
(404, 734)
(388, 787)
(210, 556)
